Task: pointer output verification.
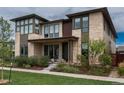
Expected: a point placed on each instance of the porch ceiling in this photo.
(54, 40)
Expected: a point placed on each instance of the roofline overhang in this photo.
(59, 39)
(29, 16)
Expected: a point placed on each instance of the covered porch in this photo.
(55, 48)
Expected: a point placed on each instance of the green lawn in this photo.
(24, 78)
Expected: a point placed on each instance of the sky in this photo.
(52, 13)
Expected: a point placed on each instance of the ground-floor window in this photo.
(52, 51)
(24, 51)
(85, 49)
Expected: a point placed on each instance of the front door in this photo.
(52, 51)
(65, 51)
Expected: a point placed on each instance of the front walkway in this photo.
(119, 80)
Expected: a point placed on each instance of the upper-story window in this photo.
(30, 28)
(51, 30)
(26, 21)
(22, 22)
(30, 20)
(26, 29)
(36, 21)
(81, 23)
(37, 27)
(18, 23)
(46, 31)
(85, 24)
(77, 22)
(18, 29)
(22, 30)
(56, 30)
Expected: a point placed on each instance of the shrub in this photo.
(121, 64)
(61, 67)
(27, 66)
(99, 70)
(33, 61)
(105, 59)
(21, 60)
(121, 71)
(84, 61)
(43, 61)
(70, 69)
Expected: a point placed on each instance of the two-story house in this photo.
(64, 38)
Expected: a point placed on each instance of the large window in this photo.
(24, 51)
(22, 22)
(26, 29)
(30, 28)
(77, 23)
(56, 30)
(85, 24)
(52, 51)
(51, 31)
(22, 29)
(85, 36)
(18, 28)
(18, 23)
(46, 31)
(26, 21)
(30, 20)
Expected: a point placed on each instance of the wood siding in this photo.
(67, 28)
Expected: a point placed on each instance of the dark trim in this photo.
(29, 16)
(73, 38)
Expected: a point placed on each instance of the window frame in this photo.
(74, 23)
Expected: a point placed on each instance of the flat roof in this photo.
(29, 16)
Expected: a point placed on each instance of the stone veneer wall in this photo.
(109, 38)
(96, 28)
(76, 44)
(17, 44)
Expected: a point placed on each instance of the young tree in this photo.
(96, 48)
(5, 47)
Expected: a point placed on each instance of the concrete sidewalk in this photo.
(119, 80)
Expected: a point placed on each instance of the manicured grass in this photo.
(24, 78)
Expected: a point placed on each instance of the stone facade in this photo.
(76, 44)
(17, 44)
(96, 26)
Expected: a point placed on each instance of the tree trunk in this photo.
(2, 71)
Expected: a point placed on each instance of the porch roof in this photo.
(59, 39)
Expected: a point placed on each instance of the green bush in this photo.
(43, 61)
(105, 59)
(70, 69)
(21, 60)
(99, 70)
(61, 67)
(27, 66)
(84, 61)
(33, 61)
(121, 71)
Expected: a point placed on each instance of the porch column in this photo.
(70, 51)
(30, 49)
(60, 50)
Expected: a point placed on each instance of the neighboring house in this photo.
(64, 38)
(120, 49)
